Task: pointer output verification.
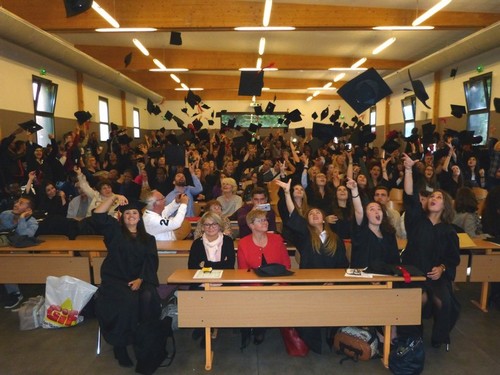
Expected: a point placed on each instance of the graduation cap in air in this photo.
(192, 99)
(210, 122)
(258, 110)
(30, 126)
(114, 127)
(251, 83)
(300, 132)
(124, 138)
(467, 137)
(83, 116)
(428, 135)
(314, 116)
(323, 132)
(219, 114)
(179, 122)
(496, 103)
(280, 120)
(253, 128)
(419, 90)
(324, 113)
(205, 106)
(362, 135)
(450, 133)
(293, 116)
(458, 110)
(335, 115)
(175, 38)
(270, 108)
(75, 7)
(168, 115)
(239, 142)
(203, 135)
(132, 205)
(127, 59)
(391, 145)
(365, 90)
(231, 123)
(197, 124)
(152, 108)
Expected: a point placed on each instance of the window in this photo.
(373, 118)
(409, 106)
(103, 119)
(136, 119)
(477, 98)
(244, 119)
(44, 101)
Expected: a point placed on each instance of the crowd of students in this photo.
(328, 193)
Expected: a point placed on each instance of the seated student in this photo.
(259, 197)
(159, 220)
(78, 206)
(229, 200)
(299, 200)
(216, 207)
(466, 217)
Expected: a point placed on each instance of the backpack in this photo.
(407, 357)
(356, 343)
(150, 345)
(31, 313)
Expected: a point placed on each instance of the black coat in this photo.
(198, 256)
(370, 251)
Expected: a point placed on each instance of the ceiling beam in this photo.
(225, 15)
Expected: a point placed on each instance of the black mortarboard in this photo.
(194, 114)
(132, 205)
(458, 110)
(451, 132)
(150, 106)
(239, 142)
(178, 121)
(337, 130)
(496, 103)
(127, 59)
(82, 116)
(253, 128)
(231, 122)
(272, 269)
(258, 110)
(301, 132)
(210, 122)
(419, 90)
(203, 135)
(324, 113)
(335, 115)
(428, 133)
(281, 120)
(237, 127)
(287, 122)
(114, 127)
(270, 108)
(205, 106)
(219, 114)
(314, 116)
(192, 99)
(75, 7)
(197, 124)
(323, 132)
(30, 126)
(466, 137)
(453, 72)
(391, 145)
(364, 91)
(124, 139)
(168, 115)
(355, 119)
(251, 83)
(366, 134)
(175, 38)
(293, 116)
(156, 110)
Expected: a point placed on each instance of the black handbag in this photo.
(407, 357)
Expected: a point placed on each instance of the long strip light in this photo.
(139, 45)
(175, 78)
(184, 86)
(347, 69)
(257, 69)
(262, 46)
(321, 88)
(309, 98)
(267, 12)
(402, 28)
(264, 28)
(126, 30)
(436, 8)
(358, 63)
(169, 69)
(338, 77)
(258, 65)
(105, 15)
(159, 64)
(383, 46)
(189, 88)
(316, 93)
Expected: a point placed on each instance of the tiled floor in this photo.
(475, 350)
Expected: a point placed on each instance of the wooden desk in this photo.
(302, 303)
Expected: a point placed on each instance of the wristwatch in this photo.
(443, 267)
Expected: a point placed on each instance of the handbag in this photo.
(356, 343)
(294, 345)
(407, 357)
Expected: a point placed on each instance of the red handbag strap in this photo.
(406, 274)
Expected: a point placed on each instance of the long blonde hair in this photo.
(330, 245)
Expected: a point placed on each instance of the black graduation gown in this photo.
(118, 308)
(370, 251)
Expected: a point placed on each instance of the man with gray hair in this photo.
(157, 217)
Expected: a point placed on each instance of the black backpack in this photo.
(150, 345)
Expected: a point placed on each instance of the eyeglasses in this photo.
(262, 220)
(210, 225)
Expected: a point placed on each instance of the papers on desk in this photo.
(214, 274)
(357, 272)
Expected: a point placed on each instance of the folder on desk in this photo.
(214, 274)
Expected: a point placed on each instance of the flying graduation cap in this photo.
(251, 83)
(82, 116)
(175, 38)
(294, 116)
(324, 113)
(458, 110)
(30, 126)
(364, 91)
(152, 108)
(192, 99)
(75, 7)
(270, 108)
(127, 59)
(258, 110)
(419, 90)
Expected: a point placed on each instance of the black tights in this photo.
(149, 308)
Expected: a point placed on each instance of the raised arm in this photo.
(356, 200)
(408, 181)
(288, 196)
(106, 204)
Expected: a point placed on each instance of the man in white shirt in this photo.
(157, 219)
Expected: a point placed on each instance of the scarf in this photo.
(213, 249)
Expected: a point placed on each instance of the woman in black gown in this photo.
(127, 295)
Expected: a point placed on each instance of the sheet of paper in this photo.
(214, 274)
(357, 272)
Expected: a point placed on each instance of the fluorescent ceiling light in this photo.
(105, 15)
(184, 86)
(169, 69)
(189, 88)
(267, 12)
(321, 89)
(175, 78)
(265, 89)
(126, 30)
(264, 28)
(262, 46)
(258, 65)
(402, 28)
(159, 64)
(347, 69)
(358, 63)
(436, 8)
(139, 45)
(384, 45)
(338, 77)
(257, 69)
(316, 93)
(327, 85)
(309, 99)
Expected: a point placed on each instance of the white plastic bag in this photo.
(65, 297)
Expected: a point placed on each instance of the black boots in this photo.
(121, 355)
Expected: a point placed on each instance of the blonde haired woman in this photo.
(229, 201)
